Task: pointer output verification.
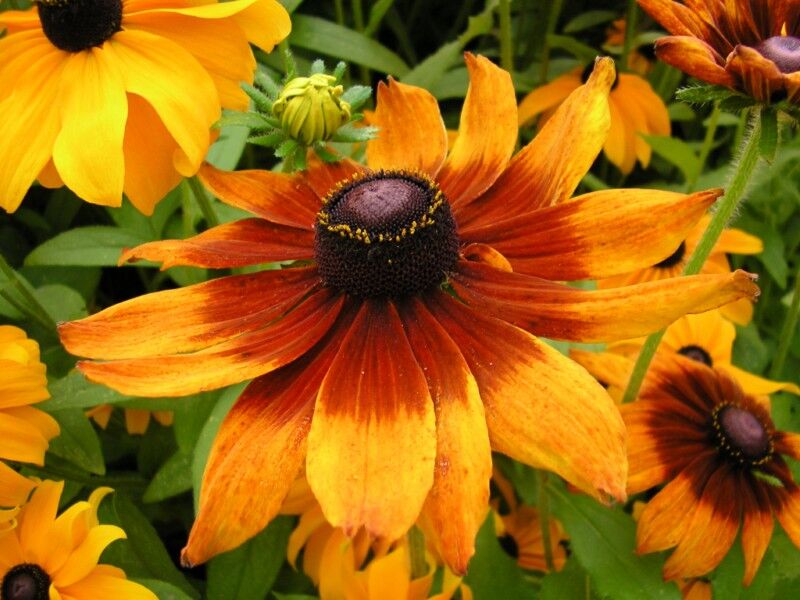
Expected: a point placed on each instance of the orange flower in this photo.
(402, 349)
(136, 420)
(635, 110)
(720, 456)
(753, 47)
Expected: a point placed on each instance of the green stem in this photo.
(416, 553)
(743, 172)
(203, 201)
(705, 150)
(339, 7)
(31, 305)
(788, 331)
(506, 39)
(631, 21)
(552, 21)
(543, 506)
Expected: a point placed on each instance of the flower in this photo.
(113, 96)
(400, 350)
(310, 108)
(25, 432)
(56, 557)
(136, 420)
(636, 110)
(732, 241)
(640, 59)
(718, 453)
(749, 47)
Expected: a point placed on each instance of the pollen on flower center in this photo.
(25, 582)
(783, 50)
(696, 353)
(75, 25)
(742, 435)
(387, 233)
(674, 258)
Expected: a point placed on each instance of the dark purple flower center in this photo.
(387, 233)
(742, 435)
(696, 353)
(25, 582)
(75, 25)
(783, 50)
(673, 259)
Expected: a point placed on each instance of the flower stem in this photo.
(743, 172)
(31, 307)
(203, 201)
(631, 19)
(552, 21)
(705, 150)
(787, 333)
(543, 506)
(506, 41)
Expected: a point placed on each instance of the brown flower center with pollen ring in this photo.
(75, 25)
(25, 582)
(386, 233)
(783, 50)
(742, 435)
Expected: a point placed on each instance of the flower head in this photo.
(113, 96)
(311, 108)
(402, 350)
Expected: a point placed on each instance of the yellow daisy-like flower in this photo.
(113, 96)
(635, 110)
(136, 420)
(24, 431)
(56, 557)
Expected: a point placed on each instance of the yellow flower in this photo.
(56, 557)
(118, 96)
(24, 430)
(136, 420)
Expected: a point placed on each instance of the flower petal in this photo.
(596, 235)
(238, 244)
(84, 558)
(760, 77)
(541, 408)
(372, 444)
(14, 488)
(412, 133)
(548, 96)
(695, 57)
(323, 177)
(105, 581)
(486, 136)
(753, 384)
(244, 357)
(561, 312)
(457, 503)
(36, 520)
(758, 524)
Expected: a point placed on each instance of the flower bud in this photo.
(310, 108)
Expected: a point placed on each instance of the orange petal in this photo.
(609, 369)
(276, 197)
(14, 21)
(237, 359)
(542, 409)
(457, 503)
(561, 312)
(412, 133)
(238, 244)
(36, 520)
(188, 319)
(694, 57)
(14, 488)
(760, 77)
(786, 506)
(486, 135)
(596, 235)
(547, 96)
(755, 385)
(758, 524)
(372, 444)
(323, 177)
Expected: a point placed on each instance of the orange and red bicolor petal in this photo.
(487, 134)
(412, 133)
(258, 452)
(188, 319)
(694, 57)
(671, 15)
(785, 504)
(372, 444)
(457, 503)
(276, 197)
(541, 408)
(238, 244)
(597, 234)
(562, 312)
(757, 523)
(323, 177)
(237, 359)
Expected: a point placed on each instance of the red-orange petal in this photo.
(758, 524)
(323, 177)
(695, 57)
(760, 77)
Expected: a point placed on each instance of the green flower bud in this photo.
(310, 108)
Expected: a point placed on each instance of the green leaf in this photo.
(78, 442)
(676, 152)
(571, 582)
(768, 142)
(773, 257)
(589, 19)
(75, 391)
(61, 302)
(356, 96)
(323, 37)
(376, 13)
(708, 94)
(250, 570)
(94, 246)
(243, 119)
(603, 541)
(579, 50)
(349, 133)
(227, 150)
(749, 350)
(164, 590)
(173, 478)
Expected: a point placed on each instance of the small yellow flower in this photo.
(310, 108)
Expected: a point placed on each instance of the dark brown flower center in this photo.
(25, 582)
(387, 233)
(673, 259)
(696, 353)
(742, 435)
(509, 544)
(75, 25)
(783, 50)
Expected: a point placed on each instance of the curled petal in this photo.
(760, 77)
(695, 57)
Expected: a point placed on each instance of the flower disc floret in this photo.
(697, 353)
(75, 25)
(783, 50)
(741, 435)
(25, 582)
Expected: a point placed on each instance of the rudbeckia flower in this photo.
(46, 556)
(636, 110)
(753, 47)
(718, 453)
(113, 96)
(732, 241)
(401, 349)
(640, 60)
(136, 420)
(25, 432)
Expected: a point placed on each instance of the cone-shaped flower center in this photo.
(783, 50)
(697, 353)
(674, 258)
(25, 582)
(75, 25)
(742, 434)
(387, 233)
